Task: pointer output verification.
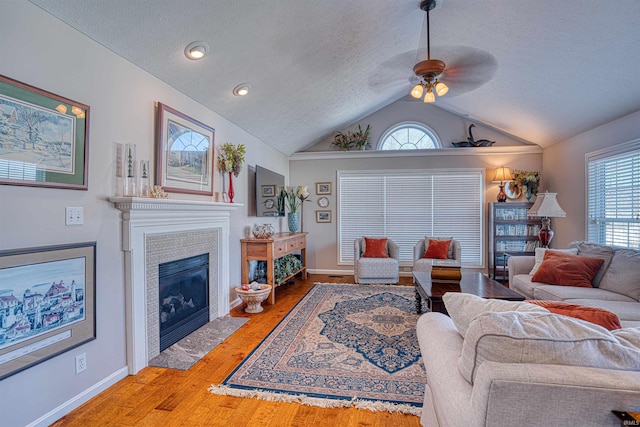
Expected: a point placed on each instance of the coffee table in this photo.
(471, 283)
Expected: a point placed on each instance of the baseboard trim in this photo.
(81, 398)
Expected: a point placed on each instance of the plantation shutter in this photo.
(613, 196)
(407, 206)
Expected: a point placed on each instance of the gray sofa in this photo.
(521, 393)
(616, 287)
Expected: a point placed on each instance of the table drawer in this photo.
(279, 249)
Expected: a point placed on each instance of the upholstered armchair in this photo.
(369, 270)
(420, 263)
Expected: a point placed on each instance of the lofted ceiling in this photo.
(559, 67)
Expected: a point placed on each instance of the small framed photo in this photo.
(184, 153)
(268, 190)
(48, 303)
(323, 188)
(323, 216)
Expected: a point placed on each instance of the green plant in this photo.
(286, 266)
(295, 196)
(359, 138)
(526, 179)
(231, 158)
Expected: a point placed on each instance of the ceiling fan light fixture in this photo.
(417, 91)
(429, 97)
(441, 89)
(196, 50)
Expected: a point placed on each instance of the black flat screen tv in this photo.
(268, 185)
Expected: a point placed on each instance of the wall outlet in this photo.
(81, 362)
(74, 216)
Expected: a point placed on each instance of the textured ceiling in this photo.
(548, 69)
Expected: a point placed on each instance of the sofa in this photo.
(500, 372)
(616, 286)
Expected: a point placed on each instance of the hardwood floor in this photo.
(167, 397)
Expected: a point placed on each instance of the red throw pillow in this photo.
(437, 249)
(564, 269)
(375, 248)
(599, 316)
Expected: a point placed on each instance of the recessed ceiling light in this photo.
(242, 89)
(196, 50)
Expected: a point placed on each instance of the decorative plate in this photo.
(269, 203)
(512, 191)
(323, 202)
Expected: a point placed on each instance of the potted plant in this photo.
(528, 181)
(295, 197)
(359, 138)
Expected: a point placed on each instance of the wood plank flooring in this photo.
(168, 397)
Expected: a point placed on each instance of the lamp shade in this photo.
(502, 174)
(546, 205)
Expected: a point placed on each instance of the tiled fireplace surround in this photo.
(156, 231)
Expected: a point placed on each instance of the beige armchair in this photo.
(424, 264)
(375, 270)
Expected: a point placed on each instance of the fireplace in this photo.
(158, 231)
(183, 303)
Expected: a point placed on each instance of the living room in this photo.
(38, 49)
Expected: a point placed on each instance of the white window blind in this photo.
(613, 196)
(406, 206)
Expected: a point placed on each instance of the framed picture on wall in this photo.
(323, 216)
(184, 153)
(48, 303)
(43, 138)
(323, 188)
(268, 190)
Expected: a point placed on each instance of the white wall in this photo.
(564, 173)
(39, 50)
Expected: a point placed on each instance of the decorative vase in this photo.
(529, 193)
(294, 221)
(230, 192)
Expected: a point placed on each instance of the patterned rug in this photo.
(341, 345)
(186, 352)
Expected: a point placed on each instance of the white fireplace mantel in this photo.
(142, 217)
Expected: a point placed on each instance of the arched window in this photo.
(409, 136)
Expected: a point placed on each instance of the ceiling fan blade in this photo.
(467, 68)
(393, 73)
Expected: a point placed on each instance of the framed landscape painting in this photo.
(47, 303)
(184, 153)
(43, 138)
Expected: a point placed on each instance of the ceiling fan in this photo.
(428, 69)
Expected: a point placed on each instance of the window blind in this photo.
(407, 206)
(613, 196)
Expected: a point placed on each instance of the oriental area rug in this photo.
(342, 345)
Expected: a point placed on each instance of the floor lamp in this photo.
(546, 206)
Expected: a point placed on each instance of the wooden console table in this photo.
(278, 245)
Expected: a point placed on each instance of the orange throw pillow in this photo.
(599, 316)
(375, 248)
(564, 269)
(437, 249)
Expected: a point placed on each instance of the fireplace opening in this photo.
(184, 297)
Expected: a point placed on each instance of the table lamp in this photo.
(546, 206)
(502, 174)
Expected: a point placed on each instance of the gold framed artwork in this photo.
(323, 188)
(323, 216)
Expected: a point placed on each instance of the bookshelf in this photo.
(511, 233)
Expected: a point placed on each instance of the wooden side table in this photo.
(277, 246)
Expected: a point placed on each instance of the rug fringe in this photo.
(303, 399)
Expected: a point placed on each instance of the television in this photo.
(268, 185)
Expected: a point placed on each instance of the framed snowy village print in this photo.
(43, 138)
(47, 303)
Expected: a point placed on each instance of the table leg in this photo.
(418, 303)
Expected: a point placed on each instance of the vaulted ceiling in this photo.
(554, 68)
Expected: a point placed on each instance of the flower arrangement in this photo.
(295, 197)
(231, 158)
(359, 138)
(526, 180)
